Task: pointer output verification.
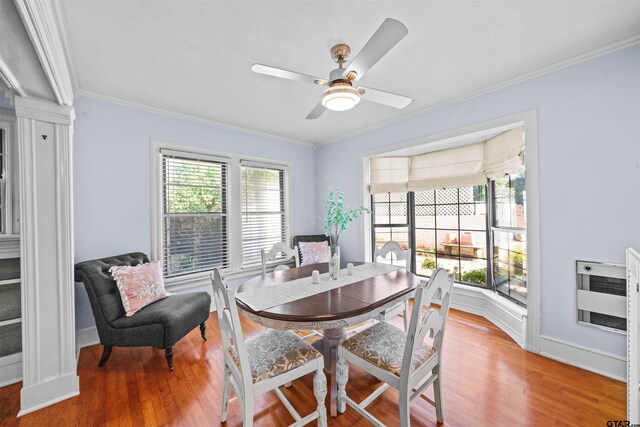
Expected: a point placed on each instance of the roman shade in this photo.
(454, 167)
(505, 154)
(389, 174)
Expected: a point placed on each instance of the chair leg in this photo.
(320, 391)
(247, 411)
(437, 395)
(225, 395)
(342, 376)
(168, 353)
(106, 352)
(404, 405)
(203, 331)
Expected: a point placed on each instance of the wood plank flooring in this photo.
(487, 381)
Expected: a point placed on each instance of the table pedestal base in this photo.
(328, 346)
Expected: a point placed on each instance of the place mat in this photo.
(293, 290)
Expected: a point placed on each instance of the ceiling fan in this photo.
(341, 93)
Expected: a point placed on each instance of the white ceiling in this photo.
(194, 58)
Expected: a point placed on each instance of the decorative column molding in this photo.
(46, 226)
(45, 25)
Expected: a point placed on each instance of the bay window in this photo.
(462, 209)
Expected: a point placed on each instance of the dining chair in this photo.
(272, 255)
(264, 362)
(406, 361)
(399, 254)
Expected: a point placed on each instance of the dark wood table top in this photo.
(341, 303)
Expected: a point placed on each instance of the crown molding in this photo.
(43, 21)
(621, 44)
(10, 81)
(119, 101)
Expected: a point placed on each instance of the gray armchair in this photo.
(160, 324)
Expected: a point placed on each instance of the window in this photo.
(214, 210)
(509, 236)
(390, 216)
(195, 226)
(447, 228)
(264, 212)
(451, 229)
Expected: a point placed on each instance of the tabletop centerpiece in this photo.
(338, 216)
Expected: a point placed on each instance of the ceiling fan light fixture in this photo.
(340, 97)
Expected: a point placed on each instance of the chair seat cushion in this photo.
(177, 314)
(383, 345)
(273, 353)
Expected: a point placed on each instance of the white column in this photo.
(46, 226)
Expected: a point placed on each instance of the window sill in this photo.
(198, 280)
(506, 315)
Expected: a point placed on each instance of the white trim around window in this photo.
(235, 267)
(469, 135)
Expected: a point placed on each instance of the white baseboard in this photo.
(607, 364)
(10, 369)
(506, 315)
(47, 393)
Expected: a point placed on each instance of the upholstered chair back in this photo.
(101, 287)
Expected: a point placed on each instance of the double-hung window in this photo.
(264, 209)
(195, 213)
(215, 210)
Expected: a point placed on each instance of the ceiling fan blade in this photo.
(383, 40)
(386, 98)
(316, 112)
(286, 74)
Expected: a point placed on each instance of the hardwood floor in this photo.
(487, 381)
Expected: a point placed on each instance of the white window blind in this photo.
(194, 202)
(264, 209)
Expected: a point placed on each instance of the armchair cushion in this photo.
(140, 285)
(175, 316)
(314, 252)
(308, 238)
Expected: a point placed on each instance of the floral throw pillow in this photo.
(314, 252)
(139, 286)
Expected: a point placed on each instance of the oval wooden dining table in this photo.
(332, 311)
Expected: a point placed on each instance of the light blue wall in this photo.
(4, 101)
(589, 167)
(112, 177)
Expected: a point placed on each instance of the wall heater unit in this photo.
(602, 295)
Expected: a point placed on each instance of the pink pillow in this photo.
(314, 252)
(139, 286)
